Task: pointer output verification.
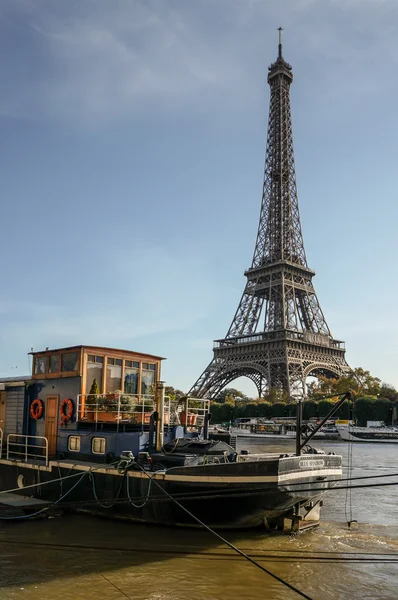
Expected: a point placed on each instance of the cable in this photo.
(260, 555)
(47, 507)
(294, 589)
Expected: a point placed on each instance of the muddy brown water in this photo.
(75, 557)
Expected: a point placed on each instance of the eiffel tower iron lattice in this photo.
(279, 335)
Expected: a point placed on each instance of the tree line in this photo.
(372, 400)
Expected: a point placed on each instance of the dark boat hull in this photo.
(229, 495)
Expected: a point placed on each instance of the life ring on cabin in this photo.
(66, 410)
(36, 409)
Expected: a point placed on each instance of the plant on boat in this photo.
(93, 394)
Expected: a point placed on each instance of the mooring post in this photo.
(299, 422)
(160, 389)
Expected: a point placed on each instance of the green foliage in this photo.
(358, 380)
(310, 409)
(372, 409)
(279, 409)
(229, 395)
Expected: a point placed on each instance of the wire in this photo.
(47, 507)
(294, 589)
(292, 556)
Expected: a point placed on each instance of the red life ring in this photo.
(36, 409)
(66, 410)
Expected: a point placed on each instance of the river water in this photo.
(76, 557)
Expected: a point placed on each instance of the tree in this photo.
(231, 394)
(358, 380)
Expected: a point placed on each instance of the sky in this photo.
(132, 146)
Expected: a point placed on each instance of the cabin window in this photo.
(99, 359)
(130, 380)
(147, 381)
(90, 358)
(94, 370)
(113, 375)
(152, 367)
(54, 363)
(145, 365)
(98, 445)
(41, 363)
(118, 362)
(70, 361)
(74, 443)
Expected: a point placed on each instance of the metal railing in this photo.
(119, 408)
(309, 337)
(20, 446)
(192, 412)
(136, 409)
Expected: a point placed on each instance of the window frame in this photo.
(92, 444)
(76, 437)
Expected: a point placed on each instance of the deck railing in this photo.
(26, 447)
(136, 409)
(118, 408)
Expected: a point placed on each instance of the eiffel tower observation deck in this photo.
(279, 335)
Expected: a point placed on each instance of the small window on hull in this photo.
(98, 445)
(74, 443)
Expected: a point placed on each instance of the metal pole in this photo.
(160, 389)
(299, 422)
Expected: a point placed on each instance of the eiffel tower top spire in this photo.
(280, 29)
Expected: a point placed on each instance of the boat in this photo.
(257, 428)
(383, 434)
(127, 453)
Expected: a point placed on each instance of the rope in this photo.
(147, 496)
(285, 583)
(47, 507)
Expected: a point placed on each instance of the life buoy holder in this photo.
(36, 409)
(66, 411)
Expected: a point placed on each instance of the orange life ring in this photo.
(36, 409)
(66, 410)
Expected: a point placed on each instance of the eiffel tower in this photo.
(279, 335)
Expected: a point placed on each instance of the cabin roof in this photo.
(100, 348)
(17, 378)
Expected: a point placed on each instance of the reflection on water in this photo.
(76, 557)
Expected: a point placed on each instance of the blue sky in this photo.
(131, 158)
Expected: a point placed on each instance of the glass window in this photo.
(70, 361)
(152, 367)
(41, 363)
(54, 364)
(147, 381)
(131, 381)
(110, 361)
(136, 364)
(91, 358)
(145, 365)
(128, 363)
(113, 378)
(74, 443)
(94, 371)
(118, 362)
(98, 445)
(99, 359)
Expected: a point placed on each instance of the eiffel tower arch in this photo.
(279, 335)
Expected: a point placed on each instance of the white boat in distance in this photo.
(258, 428)
(386, 435)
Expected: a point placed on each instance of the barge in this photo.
(91, 429)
